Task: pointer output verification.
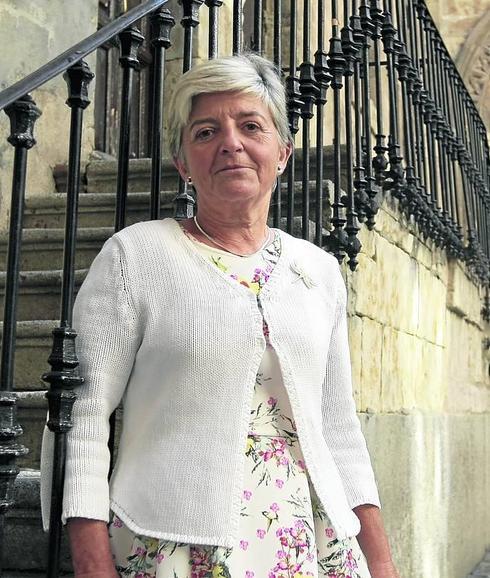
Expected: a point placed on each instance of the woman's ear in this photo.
(180, 166)
(284, 155)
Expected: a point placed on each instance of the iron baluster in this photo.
(372, 190)
(451, 124)
(162, 22)
(418, 134)
(390, 44)
(130, 41)
(308, 90)
(471, 251)
(64, 376)
(403, 63)
(361, 198)
(184, 201)
(277, 57)
(485, 310)
(350, 50)
(237, 26)
(322, 77)
(337, 241)
(379, 162)
(447, 142)
(427, 106)
(458, 148)
(277, 45)
(23, 113)
(294, 110)
(258, 25)
(440, 134)
(213, 6)
(10, 450)
(434, 126)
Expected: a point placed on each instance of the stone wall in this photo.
(33, 32)
(465, 28)
(455, 20)
(421, 380)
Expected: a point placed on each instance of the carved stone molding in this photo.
(473, 63)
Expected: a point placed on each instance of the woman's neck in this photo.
(236, 234)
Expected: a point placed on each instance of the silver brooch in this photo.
(302, 275)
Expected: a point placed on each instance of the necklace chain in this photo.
(266, 242)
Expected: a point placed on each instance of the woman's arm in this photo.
(374, 542)
(108, 328)
(90, 549)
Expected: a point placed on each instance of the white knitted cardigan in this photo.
(180, 342)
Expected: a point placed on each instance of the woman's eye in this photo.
(252, 126)
(204, 134)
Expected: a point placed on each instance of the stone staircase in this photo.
(38, 313)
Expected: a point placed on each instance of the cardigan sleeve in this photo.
(341, 426)
(108, 338)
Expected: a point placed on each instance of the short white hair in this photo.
(247, 73)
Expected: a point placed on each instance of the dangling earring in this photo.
(189, 180)
(279, 169)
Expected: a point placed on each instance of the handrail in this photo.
(76, 52)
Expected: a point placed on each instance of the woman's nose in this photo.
(231, 141)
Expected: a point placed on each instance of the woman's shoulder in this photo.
(298, 247)
(152, 230)
(146, 236)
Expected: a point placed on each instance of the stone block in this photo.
(422, 253)
(431, 319)
(101, 176)
(432, 472)
(396, 287)
(394, 226)
(367, 239)
(462, 294)
(400, 369)
(32, 407)
(431, 378)
(356, 353)
(33, 346)
(468, 362)
(371, 363)
(25, 543)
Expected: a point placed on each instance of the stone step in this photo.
(95, 210)
(32, 408)
(39, 293)
(34, 341)
(42, 249)
(25, 543)
(99, 176)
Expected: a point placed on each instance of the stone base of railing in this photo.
(26, 544)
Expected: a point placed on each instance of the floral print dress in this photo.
(284, 531)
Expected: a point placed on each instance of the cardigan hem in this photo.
(227, 542)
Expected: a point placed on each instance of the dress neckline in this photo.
(187, 242)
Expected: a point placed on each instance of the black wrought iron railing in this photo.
(380, 108)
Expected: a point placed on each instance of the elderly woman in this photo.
(241, 454)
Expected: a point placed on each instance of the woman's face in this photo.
(231, 148)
